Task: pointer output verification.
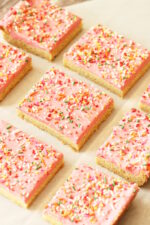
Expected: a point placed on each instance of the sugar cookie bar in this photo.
(109, 59)
(145, 100)
(127, 150)
(14, 64)
(90, 197)
(65, 107)
(40, 27)
(26, 164)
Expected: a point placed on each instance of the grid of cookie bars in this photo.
(58, 113)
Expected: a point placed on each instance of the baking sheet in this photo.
(127, 17)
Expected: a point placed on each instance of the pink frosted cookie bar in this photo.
(14, 64)
(26, 164)
(67, 108)
(40, 27)
(108, 58)
(145, 100)
(90, 197)
(127, 150)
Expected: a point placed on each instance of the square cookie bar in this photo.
(26, 164)
(127, 150)
(90, 197)
(40, 27)
(14, 64)
(65, 107)
(109, 59)
(145, 100)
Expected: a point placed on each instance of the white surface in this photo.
(127, 17)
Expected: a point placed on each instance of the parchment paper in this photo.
(127, 17)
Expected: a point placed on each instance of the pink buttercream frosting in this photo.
(25, 162)
(128, 147)
(39, 23)
(12, 62)
(145, 99)
(65, 104)
(110, 56)
(90, 197)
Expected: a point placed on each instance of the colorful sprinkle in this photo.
(65, 107)
(90, 197)
(109, 56)
(128, 147)
(24, 162)
(40, 24)
(12, 60)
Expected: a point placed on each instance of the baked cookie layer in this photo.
(14, 64)
(26, 164)
(90, 197)
(127, 150)
(145, 100)
(109, 59)
(40, 27)
(67, 108)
